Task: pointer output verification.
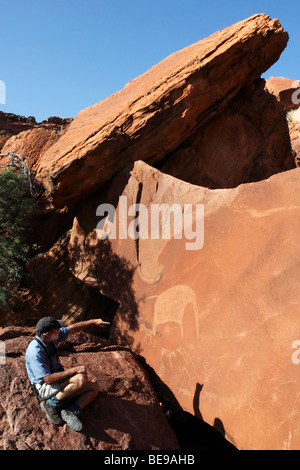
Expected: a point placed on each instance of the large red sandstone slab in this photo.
(224, 316)
(157, 111)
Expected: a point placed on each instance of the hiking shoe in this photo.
(71, 416)
(52, 414)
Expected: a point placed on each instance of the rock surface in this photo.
(11, 124)
(159, 110)
(125, 416)
(287, 91)
(224, 316)
(295, 141)
(248, 141)
(26, 137)
(31, 143)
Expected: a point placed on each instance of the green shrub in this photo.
(16, 207)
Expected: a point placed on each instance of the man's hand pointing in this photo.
(99, 322)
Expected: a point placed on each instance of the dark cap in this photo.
(47, 324)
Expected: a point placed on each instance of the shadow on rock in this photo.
(191, 431)
(113, 277)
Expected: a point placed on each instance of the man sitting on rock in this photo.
(62, 393)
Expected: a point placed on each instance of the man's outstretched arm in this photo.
(80, 326)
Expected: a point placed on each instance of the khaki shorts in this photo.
(46, 391)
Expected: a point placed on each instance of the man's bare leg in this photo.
(87, 394)
(82, 386)
(72, 386)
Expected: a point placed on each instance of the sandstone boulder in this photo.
(159, 110)
(287, 91)
(125, 416)
(248, 141)
(33, 139)
(12, 124)
(3, 138)
(224, 316)
(31, 143)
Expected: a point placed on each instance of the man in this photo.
(63, 394)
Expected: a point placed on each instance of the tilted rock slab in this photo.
(159, 110)
(125, 416)
(225, 316)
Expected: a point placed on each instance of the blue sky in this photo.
(61, 56)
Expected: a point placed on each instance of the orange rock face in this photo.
(159, 110)
(287, 91)
(11, 124)
(224, 316)
(33, 142)
(248, 141)
(295, 140)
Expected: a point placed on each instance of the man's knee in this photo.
(94, 387)
(80, 380)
